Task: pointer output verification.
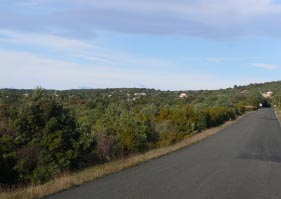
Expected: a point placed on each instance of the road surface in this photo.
(243, 161)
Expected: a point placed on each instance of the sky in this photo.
(161, 44)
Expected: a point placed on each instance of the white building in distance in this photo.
(269, 93)
(183, 95)
(140, 94)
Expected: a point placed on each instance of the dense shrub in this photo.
(43, 134)
(47, 140)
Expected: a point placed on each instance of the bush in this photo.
(48, 139)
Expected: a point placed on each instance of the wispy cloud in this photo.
(214, 19)
(224, 59)
(76, 49)
(44, 40)
(264, 66)
(31, 3)
(243, 60)
(57, 43)
(35, 70)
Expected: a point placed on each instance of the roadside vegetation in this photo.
(277, 105)
(68, 180)
(46, 134)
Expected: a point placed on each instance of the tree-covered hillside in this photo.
(46, 132)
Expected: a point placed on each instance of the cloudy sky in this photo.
(162, 44)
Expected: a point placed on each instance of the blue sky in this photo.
(162, 44)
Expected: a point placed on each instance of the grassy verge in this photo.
(69, 180)
(278, 114)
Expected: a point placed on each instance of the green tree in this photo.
(48, 137)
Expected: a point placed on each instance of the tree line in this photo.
(44, 133)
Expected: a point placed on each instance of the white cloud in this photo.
(265, 66)
(213, 12)
(195, 8)
(216, 19)
(232, 59)
(224, 59)
(27, 70)
(31, 3)
(45, 40)
(77, 49)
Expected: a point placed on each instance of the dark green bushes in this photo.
(43, 135)
(46, 140)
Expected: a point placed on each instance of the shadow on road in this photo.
(261, 157)
(264, 118)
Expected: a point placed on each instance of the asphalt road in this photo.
(243, 161)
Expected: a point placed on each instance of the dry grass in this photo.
(69, 180)
(278, 114)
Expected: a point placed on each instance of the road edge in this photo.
(69, 180)
(278, 115)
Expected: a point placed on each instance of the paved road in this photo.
(241, 162)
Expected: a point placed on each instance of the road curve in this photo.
(243, 161)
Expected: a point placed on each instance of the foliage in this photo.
(47, 139)
(44, 132)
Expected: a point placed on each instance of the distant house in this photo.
(25, 94)
(244, 92)
(183, 95)
(140, 94)
(269, 93)
(55, 94)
